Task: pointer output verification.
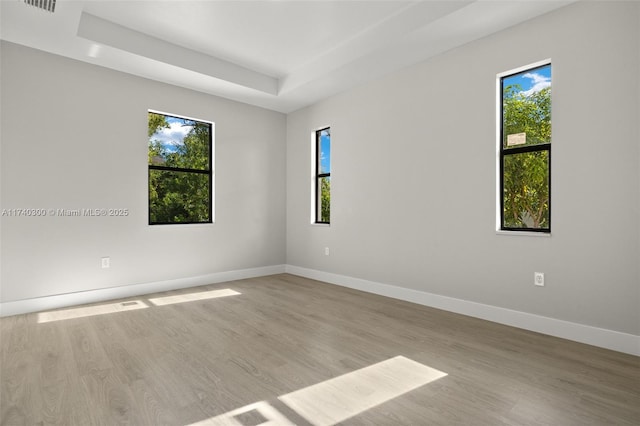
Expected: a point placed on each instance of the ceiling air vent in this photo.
(48, 5)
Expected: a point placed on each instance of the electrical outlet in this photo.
(326, 251)
(538, 278)
(106, 262)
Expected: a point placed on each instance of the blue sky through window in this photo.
(172, 137)
(532, 80)
(325, 151)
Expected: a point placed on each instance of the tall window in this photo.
(180, 178)
(323, 176)
(525, 150)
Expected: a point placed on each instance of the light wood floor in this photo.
(200, 361)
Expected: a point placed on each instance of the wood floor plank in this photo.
(126, 364)
(194, 358)
(16, 399)
(16, 333)
(52, 373)
(88, 352)
(111, 400)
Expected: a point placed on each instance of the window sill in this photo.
(179, 225)
(523, 233)
(321, 224)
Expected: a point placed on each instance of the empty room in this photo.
(292, 212)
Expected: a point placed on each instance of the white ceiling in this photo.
(278, 54)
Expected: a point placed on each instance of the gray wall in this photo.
(74, 136)
(414, 174)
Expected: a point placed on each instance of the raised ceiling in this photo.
(281, 55)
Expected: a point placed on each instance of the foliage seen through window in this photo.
(525, 151)
(323, 176)
(179, 170)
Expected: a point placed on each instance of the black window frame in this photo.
(319, 176)
(208, 172)
(505, 152)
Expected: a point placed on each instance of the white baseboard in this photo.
(609, 339)
(91, 296)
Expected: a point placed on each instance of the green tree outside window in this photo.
(525, 151)
(179, 170)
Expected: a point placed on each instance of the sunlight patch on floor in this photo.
(191, 297)
(259, 413)
(89, 311)
(335, 400)
(338, 399)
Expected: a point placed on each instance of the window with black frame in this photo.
(525, 150)
(180, 177)
(323, 176)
